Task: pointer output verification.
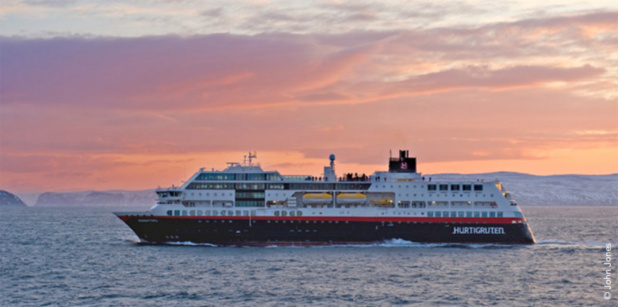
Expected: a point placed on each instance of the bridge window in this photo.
(500, 214)
(431, 187)
(454, 187)
(256, 176)
(467, 187)
(169, 212)
(478, 187)
(273, 177)
(444, 187)
(210, 186)
(215, 176)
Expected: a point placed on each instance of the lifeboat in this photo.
(351, 198)
(384, 202)
(317, 198)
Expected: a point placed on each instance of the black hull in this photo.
(244, 231)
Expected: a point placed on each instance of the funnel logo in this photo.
(404, 165)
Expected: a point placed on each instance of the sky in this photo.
(128, 95)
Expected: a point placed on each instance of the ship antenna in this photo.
(251, 156)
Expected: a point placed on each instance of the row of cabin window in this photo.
(465, 214)
(232, 186)
(414, 204)
(210, 213)
(239, 203)
(243, 176)
(250, 203)
(250, 195)
(328, 186)
(422, 204)
(291, 213)
(227, 213)
(276, 186)
(300, 213)
(454, 187)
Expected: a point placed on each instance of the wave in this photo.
(580, 244)
(188, 243)
(404, 243)
(400, 243)
(173, 243)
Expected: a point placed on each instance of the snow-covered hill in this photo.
(559, 190)
(94, 198)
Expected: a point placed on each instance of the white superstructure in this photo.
(246, 190)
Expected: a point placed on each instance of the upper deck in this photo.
(247, 185)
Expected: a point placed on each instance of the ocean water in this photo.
(88, 257)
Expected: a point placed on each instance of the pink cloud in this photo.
(77, 105)
(217, 71)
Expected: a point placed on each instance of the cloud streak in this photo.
(525, 92)
(214, 71)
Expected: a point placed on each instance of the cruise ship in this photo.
(244, 205)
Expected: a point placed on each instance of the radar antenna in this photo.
(252, 156)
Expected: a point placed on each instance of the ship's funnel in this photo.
(403, 164)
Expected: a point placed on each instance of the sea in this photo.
(67, 256)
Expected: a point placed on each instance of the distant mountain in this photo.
(561, 190)
(94, 198)
(527, 190)
(8, 199)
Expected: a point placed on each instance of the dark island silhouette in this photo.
(10, 200)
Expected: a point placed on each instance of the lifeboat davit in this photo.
(351, 198)
(317, 198)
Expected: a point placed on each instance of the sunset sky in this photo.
(131, 95)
